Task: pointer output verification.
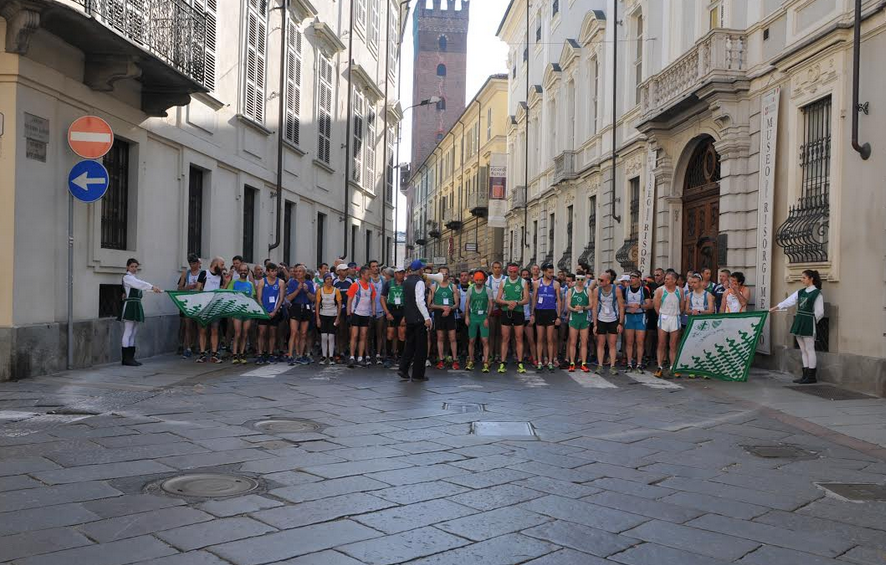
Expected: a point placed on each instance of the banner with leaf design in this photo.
(720, 346)
(211, 305)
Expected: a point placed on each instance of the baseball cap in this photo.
(352, 265)
(624, 278)
(327, 276)
(416, 265)
(342, 267)
(400, 269)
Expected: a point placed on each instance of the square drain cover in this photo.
(857, 492)
(780, 452)
(504, 430)
(831, 392)
(464, 408)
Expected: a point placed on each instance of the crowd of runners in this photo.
(486, 318)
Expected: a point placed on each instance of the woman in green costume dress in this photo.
(132, 313)
(810, 309)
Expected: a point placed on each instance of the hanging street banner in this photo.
(209, 306)
(498, 203)
(644, 261)
(720, 346)
(765, 203)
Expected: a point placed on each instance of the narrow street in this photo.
(331, 466)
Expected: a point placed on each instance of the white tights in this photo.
(130, 329)
(807, 350)
(327, 345)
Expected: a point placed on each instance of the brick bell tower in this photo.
(440, 29)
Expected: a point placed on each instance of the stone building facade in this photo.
(192, 91)
(449, 219)
(730, 126)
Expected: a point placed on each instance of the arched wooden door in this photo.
(701, 208)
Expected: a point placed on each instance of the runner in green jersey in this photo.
(477, 319)
(444, 302)
(579, 304)
(512, 295)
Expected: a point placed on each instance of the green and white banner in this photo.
(721, 346)
(208, 306)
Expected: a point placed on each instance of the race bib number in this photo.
(396, 301)
(541, 300)
(481, 312)
(445, 302)
(272, 299)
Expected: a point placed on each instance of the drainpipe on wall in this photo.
(280, 126)
(348, 126)
(865, 149)
(387, 168)
(525, 243)
(614, 111)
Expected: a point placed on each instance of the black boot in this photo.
(128, 354)
(132, 357)
(810, 377)
(803, 378)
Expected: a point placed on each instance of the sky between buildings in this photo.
(487, 55)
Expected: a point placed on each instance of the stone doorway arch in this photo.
(701, 208)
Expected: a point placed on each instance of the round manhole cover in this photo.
(208, 485)
(281, 426)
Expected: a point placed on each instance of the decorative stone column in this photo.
(667, 213)
(738, 186)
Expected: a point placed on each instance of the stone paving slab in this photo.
(402, 547)
(693, 540)
(215, 532)
(114, 529)
(494, 523)
(117, 553)
(48, 496)
(275, 547)
(324, 510)
(45, 541)
(403, 518)
(503, 550)
(653, 554)
(582, 538)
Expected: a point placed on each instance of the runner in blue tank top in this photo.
(270, 296)
(546, 306)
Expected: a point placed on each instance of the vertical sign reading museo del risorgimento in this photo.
(498, 205)
(768, 137)
(645, 255)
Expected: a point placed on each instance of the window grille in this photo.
(115, 202)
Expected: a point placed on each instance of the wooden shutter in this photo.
(324, 109)
(256, 43)
(293, 83)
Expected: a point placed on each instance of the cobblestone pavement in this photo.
(376, 471)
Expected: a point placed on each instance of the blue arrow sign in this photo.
(88, 181)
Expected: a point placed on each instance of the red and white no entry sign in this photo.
(90, 137)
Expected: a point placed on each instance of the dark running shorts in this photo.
(514, 318)
(545, 317)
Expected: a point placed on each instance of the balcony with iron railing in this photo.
(517, 198)
(564, 167)
(452, 219)
(433, 229)
(478, 203)
(718, 57)
(628, 253)
(421, 237)
(167, 45)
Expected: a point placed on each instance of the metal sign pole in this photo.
(70, 281)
